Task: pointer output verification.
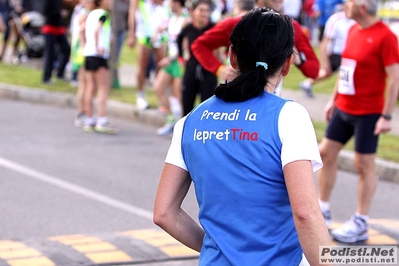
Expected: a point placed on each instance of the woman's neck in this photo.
(178, 13)
(273, 83)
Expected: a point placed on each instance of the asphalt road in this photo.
(57, 180)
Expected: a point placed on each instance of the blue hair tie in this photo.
(262, 64)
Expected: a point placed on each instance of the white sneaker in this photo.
(107, 128)
(142, 103)
(80, 120)
(353, 230)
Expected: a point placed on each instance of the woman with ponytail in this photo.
(251, 156)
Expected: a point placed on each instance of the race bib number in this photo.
(345, 81)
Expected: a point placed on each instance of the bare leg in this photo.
(365, 164)
(159, 53)
(176, 88)
(176, 92)
(102, 81)
(162, 81)
(329, 150)
(80, 93)
(143, 60)
(89, 93)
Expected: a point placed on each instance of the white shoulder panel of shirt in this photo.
(296, 133)
(298, 136)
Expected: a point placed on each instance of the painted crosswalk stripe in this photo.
(162, 241)
(19, 254)
(95, 249)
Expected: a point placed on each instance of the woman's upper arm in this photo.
(172, 188)
(300, 185)
(175, 179)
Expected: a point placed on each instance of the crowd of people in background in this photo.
(162, 32)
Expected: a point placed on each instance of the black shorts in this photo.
(93, 63)
(343, 126)
(335, 61)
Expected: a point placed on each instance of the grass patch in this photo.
(128, 55)
(29, 77)
(291, 81)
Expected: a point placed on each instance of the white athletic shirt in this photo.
(337, 27)
(174, 28)
(75, 27)
(294, 124)
(149, 18)
(104, 38)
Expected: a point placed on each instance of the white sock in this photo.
(141, 94)
(306, 83)
(362, 216)
(102, 121)
(175, 106)
(90, 121)
(324, 205)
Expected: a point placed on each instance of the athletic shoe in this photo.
(74, 83)
(107, 128)
(141, 103)
(307, 89)
(88, 128)
(168, 127)
(47, 82)
(353, 230)
(327, 217)
(80, 120)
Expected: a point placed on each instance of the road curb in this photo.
(386, 170)
(63, 99)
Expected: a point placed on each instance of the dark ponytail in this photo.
(262, 41)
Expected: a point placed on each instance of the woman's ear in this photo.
(287, 65)
(233, 58)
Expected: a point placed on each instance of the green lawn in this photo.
(24, 76)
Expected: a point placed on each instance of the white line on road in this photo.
(75, 189)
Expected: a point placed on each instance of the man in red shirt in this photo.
(219, 36)
(360, 106)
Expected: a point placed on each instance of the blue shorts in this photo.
(343, 126)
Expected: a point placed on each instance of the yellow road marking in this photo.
(19, 253)
(40, 261)
(163, 241)
(6, 244)
(95, 249)
(102, 246)
(110, 256)
(178, 251)
(381, 240)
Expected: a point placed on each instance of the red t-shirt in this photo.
(362, 78)
(219, 36)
